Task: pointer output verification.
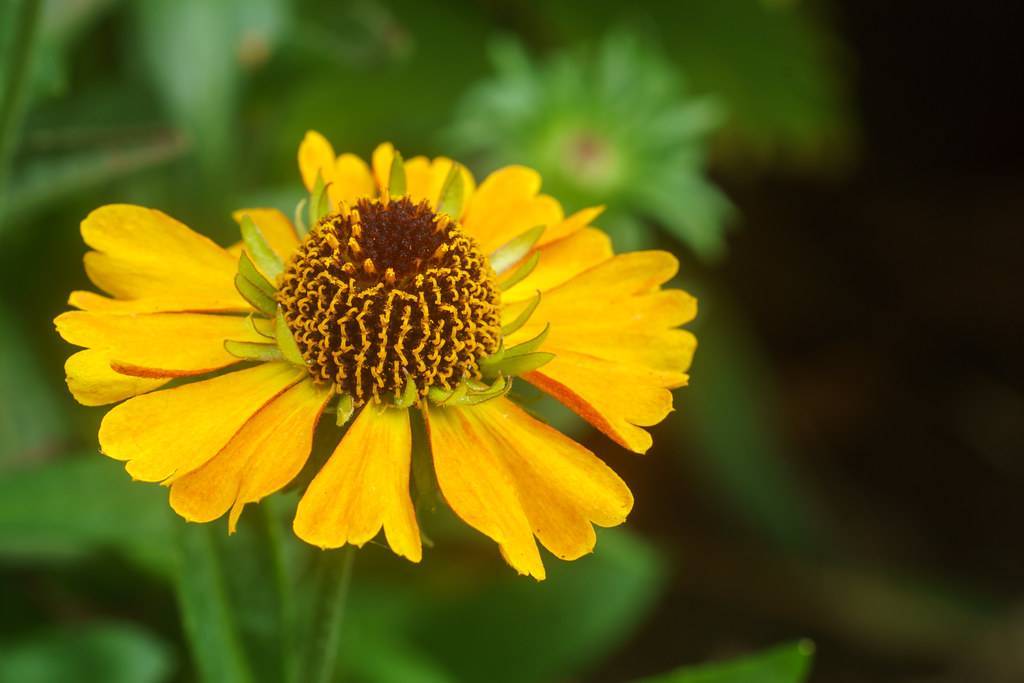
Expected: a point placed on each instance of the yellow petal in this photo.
(620, 293)
(561, 261)
(351, 180)
(158, 344)
(617, 350)
(479, 487)
(579, 220)
(277, 229)
(90, 301)
(424, 180)
(614, 397)
(563, 487)
(506, 205)
(93, 383)
(364, 486)
(265, 454)
(169, 433)
(383, 155)
(145, 254)
(560, 487)
(316, 157)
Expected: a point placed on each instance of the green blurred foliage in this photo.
(197, 107)
(31, 422)
(784, 664)
(108, 652)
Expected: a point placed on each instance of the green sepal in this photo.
(343, 412)
(286, 342)
(408, 396)
(319, 201)
(521, 273)
(262, 255)
(396, 177)
(254, 295)
(453, 193)
(530, 345)
(442, 397)
(518, 365)
(247, 269)
(301, 225)
(252, 350)
(522, 318)
(510, 253)
(261, 326)
(500, 387)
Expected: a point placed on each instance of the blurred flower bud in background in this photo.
(610, 124)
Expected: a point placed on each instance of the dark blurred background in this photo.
(845, 465)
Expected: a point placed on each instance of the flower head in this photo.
(400, 291)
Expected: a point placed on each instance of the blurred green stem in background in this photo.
(22, 22)
(210, 623)
(330, 595)
(273, 512)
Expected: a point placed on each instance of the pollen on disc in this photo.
(380, 294)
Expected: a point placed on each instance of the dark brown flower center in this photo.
(381, 294)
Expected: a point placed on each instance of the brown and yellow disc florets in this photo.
(387, 292)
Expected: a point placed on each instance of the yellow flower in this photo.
(408, 293)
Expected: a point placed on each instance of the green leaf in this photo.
(52, 511)
(286, 342)
(264, 257)
(396, 177)
(521, 273)
(523, 316)
(96, 651)
(206, 611)
(452, 193)
(253, 350)
(783, 664)
(513, 251)
(255, 295)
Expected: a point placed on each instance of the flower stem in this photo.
(285, 593)
(333, 579)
